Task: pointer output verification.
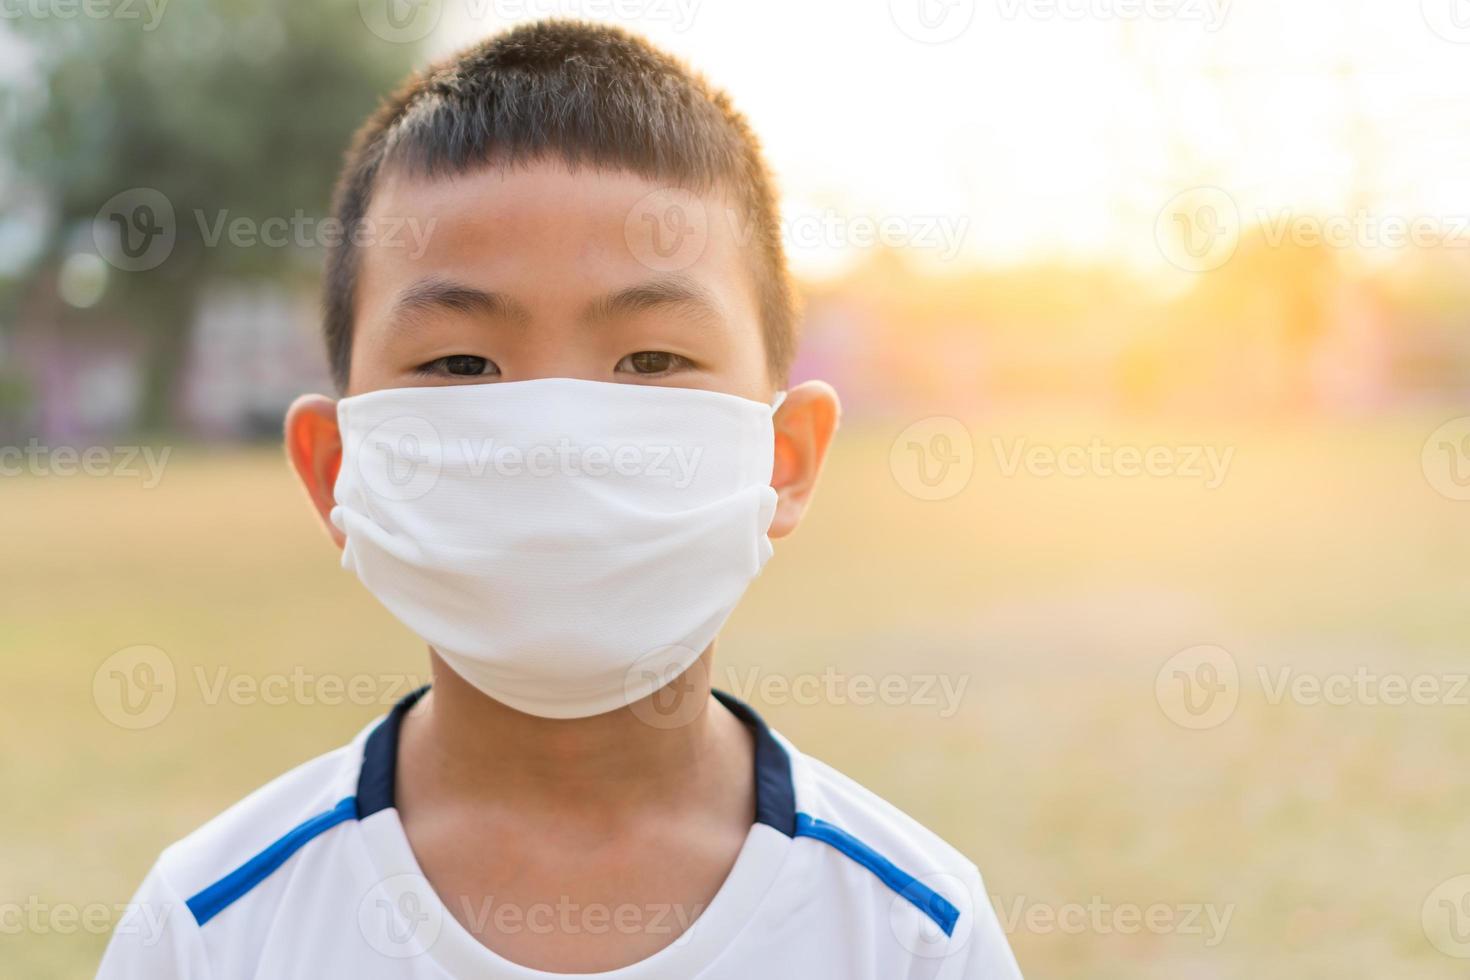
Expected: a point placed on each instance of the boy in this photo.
(560, 457)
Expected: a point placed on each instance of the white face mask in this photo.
(568, 547)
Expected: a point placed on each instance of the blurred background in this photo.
(1140, 570)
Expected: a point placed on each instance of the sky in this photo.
(1007, 131)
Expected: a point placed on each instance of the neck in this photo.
(470, 748)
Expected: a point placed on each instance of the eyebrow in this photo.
(678, 291)
(435, 294)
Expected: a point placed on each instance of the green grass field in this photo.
(1319, 829)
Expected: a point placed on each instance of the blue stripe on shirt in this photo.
(220, 895)
(918, 894)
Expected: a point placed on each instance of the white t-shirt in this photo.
(312, 876)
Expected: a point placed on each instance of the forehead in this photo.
(549, 235)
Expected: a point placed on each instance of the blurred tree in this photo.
(229, 109)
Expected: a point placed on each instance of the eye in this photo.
(460, 366)
(653, 362)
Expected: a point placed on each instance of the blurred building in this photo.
(251, 348)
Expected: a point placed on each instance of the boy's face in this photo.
(539, 272)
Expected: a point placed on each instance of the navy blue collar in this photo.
(775, 796)
(379, 774)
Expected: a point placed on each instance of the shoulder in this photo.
(932, 895)
(829, 796)
(230, 863)
(267, 826)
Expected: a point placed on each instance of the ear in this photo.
(315, 446)
(804, 426)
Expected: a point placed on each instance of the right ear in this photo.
(314, 444)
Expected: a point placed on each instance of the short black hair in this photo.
(590, 95)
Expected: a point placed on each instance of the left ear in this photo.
(315, 446)
(804, 426)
